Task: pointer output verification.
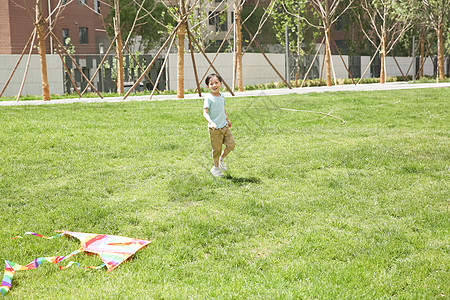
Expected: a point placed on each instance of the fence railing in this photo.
(105, 80)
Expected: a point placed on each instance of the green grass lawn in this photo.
(310, 209)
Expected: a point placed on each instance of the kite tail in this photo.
(7, 278)
(38, 235)
(11, 268)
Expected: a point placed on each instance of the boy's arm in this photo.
(208, 118)
(228, 120)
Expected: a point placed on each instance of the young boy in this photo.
(218, 123)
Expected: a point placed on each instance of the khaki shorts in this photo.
(221, 136)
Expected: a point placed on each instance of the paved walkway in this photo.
(285, 91)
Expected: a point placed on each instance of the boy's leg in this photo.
(228, 141)
(216, 138)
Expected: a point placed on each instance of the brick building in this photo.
(80, 20)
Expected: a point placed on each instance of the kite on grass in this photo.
(112, 249)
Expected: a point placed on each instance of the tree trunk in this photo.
(180, 65)
(440, 42)
(41, 39)
(422, 50)
(297, 73)
(119, 55)
(238, 28)
(119, 47)
(383, 60)
(328, 56)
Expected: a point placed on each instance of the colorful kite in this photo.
(112, 249)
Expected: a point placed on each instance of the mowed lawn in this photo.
(310, 209)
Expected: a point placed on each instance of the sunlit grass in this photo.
(310, 208)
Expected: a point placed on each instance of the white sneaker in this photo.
(216, 172)
(222, 164)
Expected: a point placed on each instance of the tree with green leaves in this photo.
(328, 12)
(252, 14)
(388, 21)
(438, 14)
(301, 36)
(201, 20)
(128, 18)
(144, 18)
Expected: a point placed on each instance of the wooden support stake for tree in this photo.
(421, 66)
(268, 60)
(217, 53)
(68, 72)
(74, 62)
(321, 70)
(140, 67)
(373, 57)
(312, 63)
(409, 68)
(420, 71)
(18, 62)
(422, 48)
(101, 63)
(345, 65)
(249, 45)
(206, 57)
(193, 64)
(398, 66)
(152, 62)
(27, 66)
(162, 67)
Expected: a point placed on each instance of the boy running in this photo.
(218, 124)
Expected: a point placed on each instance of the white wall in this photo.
(391, 67)
(255, 68)
(365, 60)
(404, 62)
(33, 85)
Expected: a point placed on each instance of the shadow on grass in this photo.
(242, 180)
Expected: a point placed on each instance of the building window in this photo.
(341, 23)
(342, 46)
(84, 35)
(219, 20)
(65, 36)
(97, 6)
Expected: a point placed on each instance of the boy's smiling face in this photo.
(214, 85)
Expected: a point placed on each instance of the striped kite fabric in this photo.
(112, 249)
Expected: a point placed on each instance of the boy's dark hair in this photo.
(208, 78)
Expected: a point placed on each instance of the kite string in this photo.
(78, 265)
(185, 160)
(316, 112)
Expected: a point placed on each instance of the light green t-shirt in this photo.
(216, 109)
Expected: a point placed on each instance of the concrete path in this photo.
(284, 91)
